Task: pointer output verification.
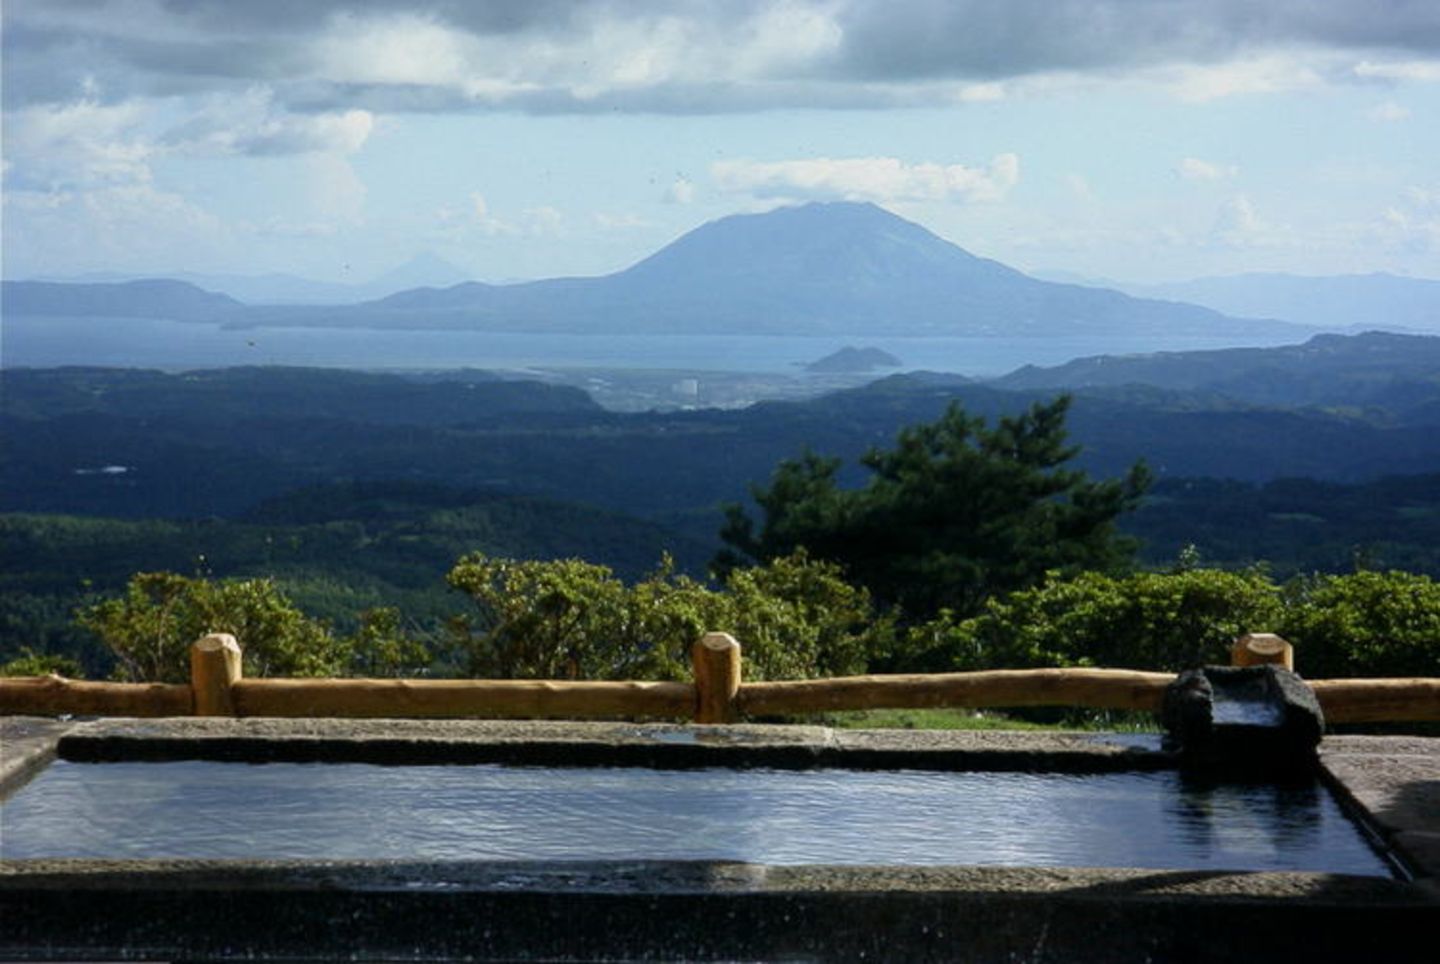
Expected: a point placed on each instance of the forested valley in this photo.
(399, 518)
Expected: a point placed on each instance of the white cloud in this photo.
(1238, 224)
(1194, 169)
(680, 191)
(544, 221)
(484, 220)
(1388, 112)
(120, 227)
(1079, 186)
(1413, 224)
(621, 222)
(1268, 74)
(403, 50)
(1417, 70)
(78, 144)
(882, 179)
(251, 123)
(986, 93)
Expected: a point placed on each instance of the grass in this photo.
(962, 719)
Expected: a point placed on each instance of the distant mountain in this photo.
(817, 269)
(1397, 373)
(425, 269)
(852, 359)
(1365, 301)
(152, 298)
(837, 268)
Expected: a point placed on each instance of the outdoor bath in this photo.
(220, 838)
(236, 833)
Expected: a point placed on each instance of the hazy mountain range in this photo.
(1356, 301)
(424, 270)
(817, 269)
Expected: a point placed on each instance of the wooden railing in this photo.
(718, 695)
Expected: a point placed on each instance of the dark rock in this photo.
(1245, 721)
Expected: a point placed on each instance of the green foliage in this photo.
(31, 663)
(1364, 624)
(542, 619)
(1295, 525)
(150, 628)
(382, 648)
(796, 617)
(570, 619)
(956, 513)
(1153, 621)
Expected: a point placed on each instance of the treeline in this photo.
(795, 616)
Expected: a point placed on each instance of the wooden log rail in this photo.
(718, 694)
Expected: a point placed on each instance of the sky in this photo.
(1138, 140)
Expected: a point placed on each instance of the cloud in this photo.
(1388, 112)
(1194, 169)
(117, 226)
(680, 191)
(78, 144)
(1238, 224)
(1425, 71)
(623, 221)
(251, 123)
(1270, 74)
(1413, 224)
(882, 179)
(702, 55)
(1079, 186)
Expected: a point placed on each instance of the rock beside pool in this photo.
(1252, 719)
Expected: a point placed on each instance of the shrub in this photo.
(150, 628)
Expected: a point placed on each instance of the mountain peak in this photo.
(845, 243)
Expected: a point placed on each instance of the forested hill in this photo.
(225, 394)
(114, 442)
(1397, 373)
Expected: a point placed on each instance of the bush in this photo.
(1158, 621)
(571, 619)
(1364, 624)
(151, 628)
(31, 663)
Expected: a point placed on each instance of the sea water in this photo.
(154, 343)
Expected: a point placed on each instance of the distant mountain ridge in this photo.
(1360, 300)
(1399, 373)
(817, 269)
(278, 288)
(149, 298)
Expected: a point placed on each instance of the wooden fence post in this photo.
(716, 659)
(1257, 649)
(214, 668)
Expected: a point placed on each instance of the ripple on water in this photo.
(339, 811)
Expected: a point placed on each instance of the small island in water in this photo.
(850, 360)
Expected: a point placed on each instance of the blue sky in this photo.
(1141, 140)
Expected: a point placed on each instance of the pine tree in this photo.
(955, 513)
